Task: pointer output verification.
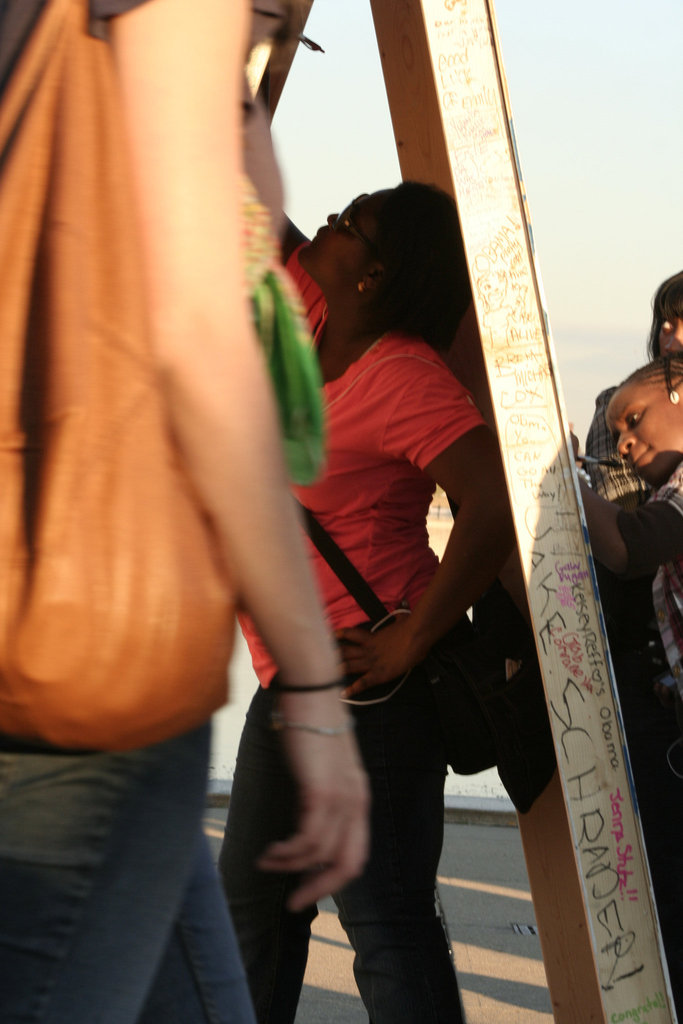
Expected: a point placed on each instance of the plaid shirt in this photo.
(667, 589)
(615, 483)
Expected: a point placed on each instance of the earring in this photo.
(361, 286)
(674, 397)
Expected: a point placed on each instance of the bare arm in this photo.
(511, 577)
(180, 70)
(481, 540)
(188, 177)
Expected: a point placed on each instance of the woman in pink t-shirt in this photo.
(385, 286)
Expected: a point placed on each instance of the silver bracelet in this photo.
(278, 721)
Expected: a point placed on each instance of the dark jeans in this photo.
(402, 964)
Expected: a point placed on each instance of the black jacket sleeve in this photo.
(653, 534)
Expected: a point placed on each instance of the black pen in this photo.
(612, 463)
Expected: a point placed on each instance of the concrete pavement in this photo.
(489, 914)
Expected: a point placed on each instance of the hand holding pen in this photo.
(614, 463)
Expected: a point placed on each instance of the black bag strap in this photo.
(344, 569)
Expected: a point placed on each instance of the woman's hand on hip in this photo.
(380, 656)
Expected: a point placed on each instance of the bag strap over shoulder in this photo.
(343, 567)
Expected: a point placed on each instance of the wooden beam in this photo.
(588, 870)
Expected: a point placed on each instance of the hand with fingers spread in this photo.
(379, 656)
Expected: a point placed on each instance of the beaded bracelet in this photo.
(278, 721)
(293, 688)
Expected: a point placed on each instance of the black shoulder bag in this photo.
(486, 719)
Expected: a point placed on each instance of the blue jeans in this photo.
(402, 962)
(110, 909)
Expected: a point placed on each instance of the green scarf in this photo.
(280, 323)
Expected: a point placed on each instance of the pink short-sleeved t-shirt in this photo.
(388, 416)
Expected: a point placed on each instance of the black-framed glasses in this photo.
(344, 222)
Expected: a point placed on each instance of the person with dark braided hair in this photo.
(617, 482)
(637, 653)
(645, 419)
(646, 423)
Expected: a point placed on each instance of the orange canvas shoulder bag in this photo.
(116, 619)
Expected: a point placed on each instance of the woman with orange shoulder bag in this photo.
(134, 408)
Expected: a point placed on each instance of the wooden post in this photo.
(585, 855)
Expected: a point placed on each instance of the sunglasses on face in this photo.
(344, 222)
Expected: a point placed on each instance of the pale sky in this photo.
(595, 89)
